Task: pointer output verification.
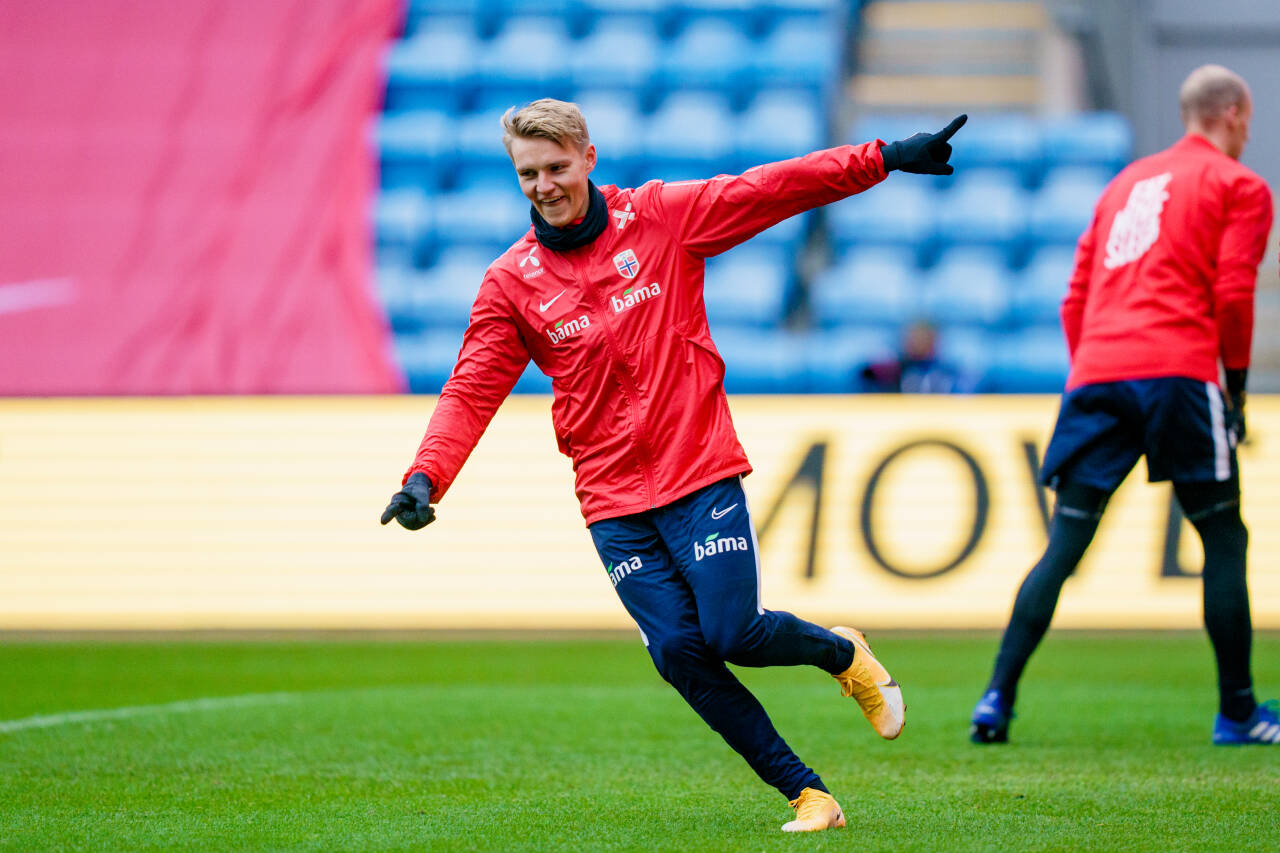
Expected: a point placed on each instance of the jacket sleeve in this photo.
(492, 358)
(712, 216)
(1078, 287)
(1244, 240)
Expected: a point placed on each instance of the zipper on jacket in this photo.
(630, 389)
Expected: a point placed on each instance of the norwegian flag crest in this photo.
(627, 263)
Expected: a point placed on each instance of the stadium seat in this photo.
(617, 129)
(970, 350)
(690, 136)
(895, 213)
(750, 285)
(427, 358)
(788, 235)
(834, 359)
(486, 217)
(402, 227)
(432, 68)
(874, 285)
(617, 54)
(762, 361)
(532, 381)
(481, 156)
(527, 54)
(1008, 141)
(417, 149)
(800, 52)
(779, 124)
(1063, 208)
(709, 54)
(986, 207)
(968, 285)
(1042, 285)
(397, 287)
(1031, 361)
(1088, 139)
(447, 290)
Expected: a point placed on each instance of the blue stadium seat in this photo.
(898, 212)
(788, 235)
(1043, 284)
(417, 149)
(762, 361)
(402, 227)
(1063, 208)
(875, 285)
(485, 217)
(690, 136)
(800, 52)
(893, 126)
(528, 54)
(708, 54)
(750, 285)
(433, 68)
(617, 129)
(968, 285)
(532, 381)
(779, 124)
(1088, 139)
(481, 156)
(1008, 141)
(971, 350)
(616, 54)
(1031, 361)
(448, 289)
(428, 358)
(834, 359)
(986, 207)
(397, 288)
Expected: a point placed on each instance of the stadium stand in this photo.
(677, 89)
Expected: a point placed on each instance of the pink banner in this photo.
(184, 196)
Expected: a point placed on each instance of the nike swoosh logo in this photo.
(543, 306)
(722, 513)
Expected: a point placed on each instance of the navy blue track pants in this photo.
(689, 574)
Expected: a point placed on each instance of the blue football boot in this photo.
(1262, 727)
(991, 716)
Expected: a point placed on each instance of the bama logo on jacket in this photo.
(566, 329)
(633, 296)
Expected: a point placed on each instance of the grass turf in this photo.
(575, 744)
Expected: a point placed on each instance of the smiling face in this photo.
(554, 177)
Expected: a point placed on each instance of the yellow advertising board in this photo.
(913, 512)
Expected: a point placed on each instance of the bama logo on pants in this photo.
(624, 568)
(715, 545)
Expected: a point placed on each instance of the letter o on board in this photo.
(981, 503)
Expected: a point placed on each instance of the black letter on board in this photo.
(810, 473)
(981, 502)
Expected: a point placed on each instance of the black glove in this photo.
(411, 506)
(1234, 419)
(924, 153)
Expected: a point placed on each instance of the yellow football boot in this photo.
(867, 681)
(815, 810)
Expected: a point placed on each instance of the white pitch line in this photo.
(186, 706)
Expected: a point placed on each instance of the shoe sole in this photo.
(890, 692)
(790, 826)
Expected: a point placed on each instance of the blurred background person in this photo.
(1162, 294)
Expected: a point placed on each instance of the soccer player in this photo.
(604, 294)
(1162, 289)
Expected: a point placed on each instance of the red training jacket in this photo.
(620, 327)
(1164, 277)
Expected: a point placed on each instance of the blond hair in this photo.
(559, 121)
(1209, 91)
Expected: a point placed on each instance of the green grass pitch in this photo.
(574, 743)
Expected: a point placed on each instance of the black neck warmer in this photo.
(564, 239)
